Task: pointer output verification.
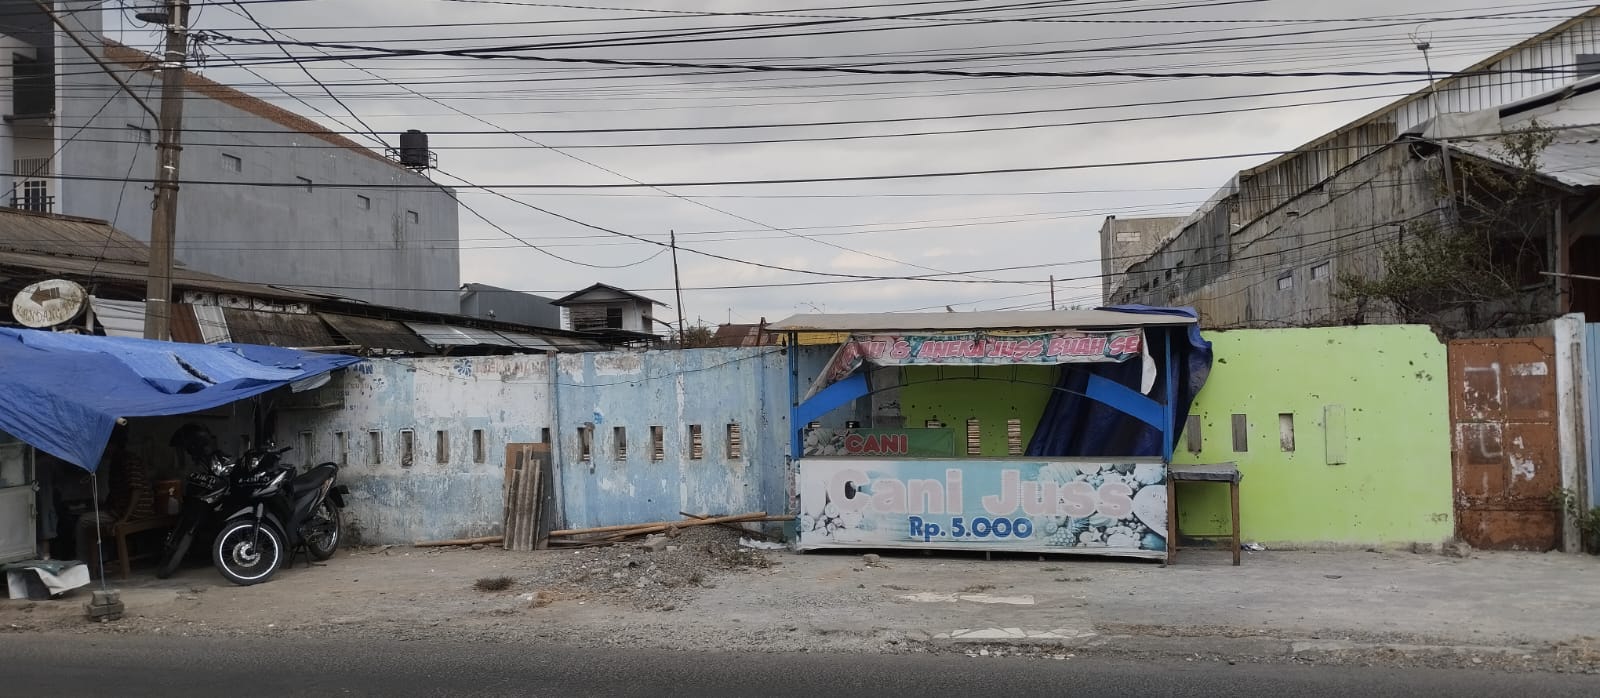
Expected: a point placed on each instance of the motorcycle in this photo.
(264, 508)
(274, 512)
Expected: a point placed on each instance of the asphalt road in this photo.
(72, 665)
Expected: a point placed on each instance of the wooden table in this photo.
(1222, 472)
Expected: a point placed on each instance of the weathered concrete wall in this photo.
(1369, 462)
(436, 495)
(674, 391)
(521, 399)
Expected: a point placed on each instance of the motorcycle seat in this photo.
(312, 479)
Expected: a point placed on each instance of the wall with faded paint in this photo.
(993, 395)
(431, 494)
(675, 391)
(1383, 477)
(516, 399)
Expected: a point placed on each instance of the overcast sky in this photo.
(880, 228)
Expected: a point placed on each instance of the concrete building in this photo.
(1124, 241)
(269, 196)
(1272, 247)
(606, 307)
(506, 305)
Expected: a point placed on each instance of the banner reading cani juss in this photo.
(1109, 508)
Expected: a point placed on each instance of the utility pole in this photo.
(677, 286)
(1052, 291)
(164, 217)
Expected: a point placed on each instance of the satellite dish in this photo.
(48, 303)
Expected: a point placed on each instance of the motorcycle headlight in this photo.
(221, 466)
(252, 462)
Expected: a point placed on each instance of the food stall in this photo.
(1044, 432)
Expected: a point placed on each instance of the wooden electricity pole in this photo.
(164, 217)
(677, 286)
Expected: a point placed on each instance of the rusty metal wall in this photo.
(1505, 443)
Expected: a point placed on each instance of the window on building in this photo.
(341, 448)
(614, 317)
(441, 446)
(658, 443)
(1241, 434)
(232, 163)
(974, 437)
(735, 442)
(375, 447)
(308, 446)
(1286, 282)
(305, 182)
(413, 217)
(933, 424)
(544, 435)
(1192, 433)
(480, 450)
(585, 444)
(138, 134)
(1286, 432)
(697, 442)
(1321, 271)
(1013, 437)
(619, 442)
(363, 202)
(1588, 65)
(1128, 237)
(408, 448)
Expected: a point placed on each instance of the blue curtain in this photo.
(1074, 426)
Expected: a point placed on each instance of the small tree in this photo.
(695, 337)
(1466, 268)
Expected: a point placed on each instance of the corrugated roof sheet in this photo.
(119, 318)
(994, 320)
(373, 333)
(1572, 159)
(68, 236)
(277, 329)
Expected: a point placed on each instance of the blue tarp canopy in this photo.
(63, 393)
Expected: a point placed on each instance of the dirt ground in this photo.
(706, 593)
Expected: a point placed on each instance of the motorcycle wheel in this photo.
(244, 557)
(325, 531)
(172, 555)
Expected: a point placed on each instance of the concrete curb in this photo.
(1224, 646)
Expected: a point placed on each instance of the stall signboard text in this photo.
(1111, 508)
(978, 348)
(881, 443)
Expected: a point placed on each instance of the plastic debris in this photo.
(761, 544)
(1253, 547)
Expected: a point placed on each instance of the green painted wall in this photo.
(1394, 485)
(999, 393)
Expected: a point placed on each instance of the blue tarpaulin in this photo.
(63, 393)
(1073, 427)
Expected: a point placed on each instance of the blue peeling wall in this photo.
(432, 495)
(515, 399)
(673, 390)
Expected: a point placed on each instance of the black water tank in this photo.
(414, 149)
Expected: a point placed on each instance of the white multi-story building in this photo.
(271, 196)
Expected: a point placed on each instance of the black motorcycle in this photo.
(271, 513)
(259, 502)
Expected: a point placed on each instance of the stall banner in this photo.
(979, 348)
(881, 443)
(1111, 508)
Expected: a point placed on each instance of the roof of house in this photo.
(199, 84)
(1426, 90)
(739, 335)
(576, 295)
(86, 248)
(1569, 159)
(987, 320)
